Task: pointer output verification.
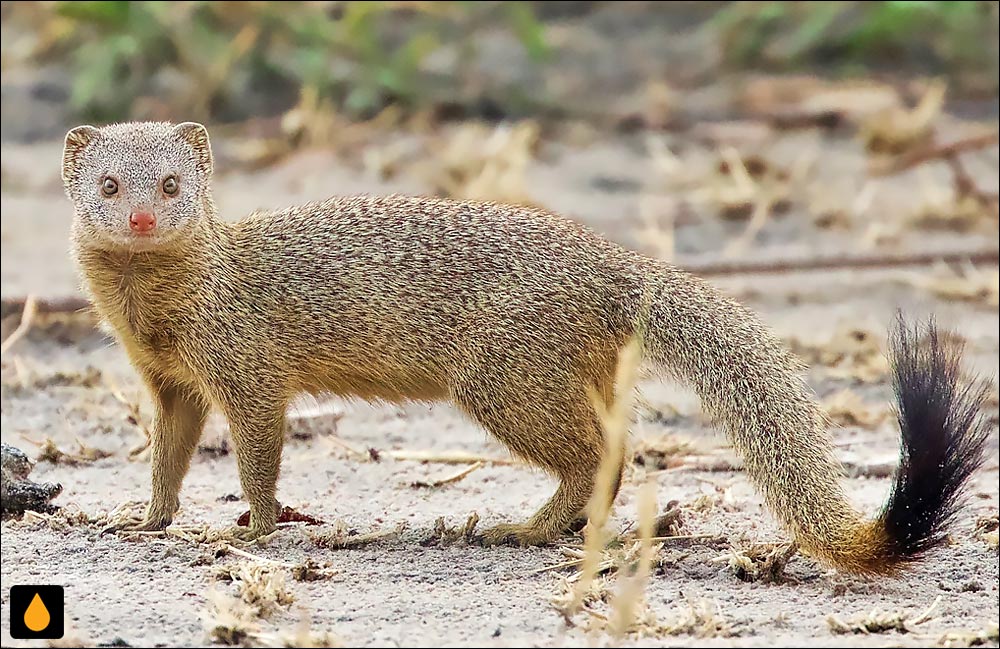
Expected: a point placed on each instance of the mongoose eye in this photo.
(109, 187)
(170, 186)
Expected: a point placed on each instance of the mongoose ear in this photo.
(197, 136)
(76, 141)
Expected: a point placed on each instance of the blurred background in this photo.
(711, 133)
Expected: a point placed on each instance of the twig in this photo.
(926, 615)
(682, 537)
(966, 186)
(55, 305)
(881, 260)
(341, 443)
(134, 418)
(935, 152)
(455, 457)
(556, 566)
(243, 553)
(27, 315)
(420, 484)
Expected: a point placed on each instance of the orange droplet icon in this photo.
(37, 617)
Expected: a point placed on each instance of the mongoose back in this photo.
(513, 314)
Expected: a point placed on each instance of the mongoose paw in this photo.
(519, 535)
(145, 524)
(248, 534)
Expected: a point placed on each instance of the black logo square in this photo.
(36, 612)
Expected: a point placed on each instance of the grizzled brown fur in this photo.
(511, 313)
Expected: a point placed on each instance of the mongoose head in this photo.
(137, 186)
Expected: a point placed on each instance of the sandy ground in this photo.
(403, 591)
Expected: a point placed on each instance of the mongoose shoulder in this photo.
(513, 314)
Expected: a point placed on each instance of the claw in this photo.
(248, 534)
(136, 525)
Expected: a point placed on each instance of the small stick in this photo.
(926, 615)
(243, 553)
(55, 305)
(30, 307)
(556, 566)
(420, 484)
(966, 186)
(341, 443)
(569, 563)
(142, 532)
(880, 260)
(457, 457)
(682, 537)
(936, 152)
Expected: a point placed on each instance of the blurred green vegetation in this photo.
(856, 35)
(361, 55)
(238, 59)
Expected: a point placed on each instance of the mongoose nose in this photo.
(142, 222)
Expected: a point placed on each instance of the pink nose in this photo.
(142, 222)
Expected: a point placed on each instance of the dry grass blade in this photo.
(446, 535)
(625, 554)
(763, 562)
(700, 619)
(935, 152)
(969, 285)
(878, 622)
(615, 418)
(49, 452)
(847, 408)
(27, 316)
(303, 636)
(257, 558)
(987, 532)
(261, 586)
(988, 635)
(851, 352)
(881, 259)
(476, 162)
(447, 457)
(228, 620)
(420, 484)
(765, 199)
(340, 537)
(663, 452)
(134, 418)
(309, 570)
(60, 520)
(898, 131)
(630, 599)
(363, 455)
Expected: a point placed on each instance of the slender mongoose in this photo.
(512, 313)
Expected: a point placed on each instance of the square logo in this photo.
(36, 612)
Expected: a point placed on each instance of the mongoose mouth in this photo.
(133, 241)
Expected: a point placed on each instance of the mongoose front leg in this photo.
(258, 435)
(177, 427)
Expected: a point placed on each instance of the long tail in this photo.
(749, 382)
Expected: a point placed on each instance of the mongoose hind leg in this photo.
(554, 427)
(177, 427)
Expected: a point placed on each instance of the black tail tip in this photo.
(944, 434)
